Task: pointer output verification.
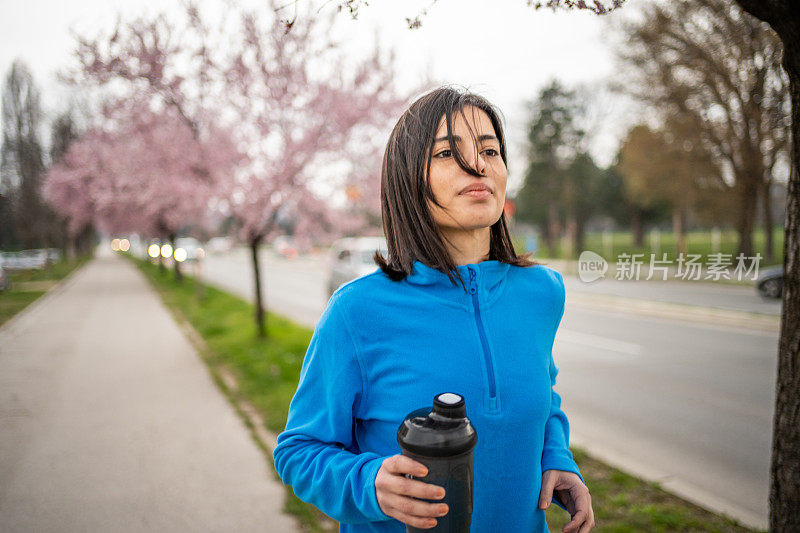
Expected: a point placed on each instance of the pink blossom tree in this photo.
(295, 104)
(143, 170)
(353, 7)
(171, 148)
(68, 186)
(299, 104)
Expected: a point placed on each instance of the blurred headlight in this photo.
(180, 255)
(166, 250)
(154, 250)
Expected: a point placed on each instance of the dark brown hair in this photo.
(411, 233)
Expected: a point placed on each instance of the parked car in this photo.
(220, 245)
(9, 260)
(770, 282)
(352, 258)
(54, 255)
(194, 250)
(33, 258)
(284, 246)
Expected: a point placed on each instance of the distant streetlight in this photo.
(154, 250)
(180, 255)
(166, 251)
(124, 245)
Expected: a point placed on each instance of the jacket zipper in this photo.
(487, 356)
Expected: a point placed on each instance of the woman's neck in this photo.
(468, 247)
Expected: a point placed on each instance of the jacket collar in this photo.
(488, 279)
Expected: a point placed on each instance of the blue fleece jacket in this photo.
(384, 348)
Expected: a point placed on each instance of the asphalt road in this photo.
(688, 404)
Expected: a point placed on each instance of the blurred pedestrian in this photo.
(452, 308)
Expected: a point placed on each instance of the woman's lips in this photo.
(480, 194)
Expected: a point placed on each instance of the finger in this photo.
(416, 489)
(583, 503)
(413, 507)
(546, 494)
(589, 524)
(400, 464)
(416, 521)
(565, 499)
(577, 521)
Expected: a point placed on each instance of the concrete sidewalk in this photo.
(109, 420)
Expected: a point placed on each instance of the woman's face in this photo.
(468, 202)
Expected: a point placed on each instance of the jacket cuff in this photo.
(565, 463)
(370, 471)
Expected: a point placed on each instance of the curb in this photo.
(267, 439)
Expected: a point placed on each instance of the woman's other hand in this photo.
(573, 494)
(397, 494)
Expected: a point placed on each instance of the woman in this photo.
(452, 308)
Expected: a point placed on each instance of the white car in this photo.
(191, 246)
(353, 258)
(36, 259)
(220, 245)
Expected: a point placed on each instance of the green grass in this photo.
(697, 242)
(268, 369)
(28, 285)
(623, 503)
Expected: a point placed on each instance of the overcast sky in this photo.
(503, 50)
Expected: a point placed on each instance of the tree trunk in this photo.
(766, 204)
(748, 196)
(784, 491)
(260, 315)
(176, 265)
(580, 233)
(679, 229)
(72, 248)
(784, 496)
(553, 227)
(571, 230)
(637, 228)
(546, 238)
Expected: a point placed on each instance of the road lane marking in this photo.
(597, 341)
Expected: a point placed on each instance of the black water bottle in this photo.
(443, 439)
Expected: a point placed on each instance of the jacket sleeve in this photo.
(316, 453)
(556, 454)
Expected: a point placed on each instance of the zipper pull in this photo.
(472, 285)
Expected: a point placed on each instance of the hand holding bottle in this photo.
(399, 496)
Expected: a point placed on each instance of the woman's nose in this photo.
(478, 163)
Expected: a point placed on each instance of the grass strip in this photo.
(26, 286)
(267, 371)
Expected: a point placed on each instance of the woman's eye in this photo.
(444, 154)
(491, 152)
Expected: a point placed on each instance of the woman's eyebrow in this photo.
(485, 137)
